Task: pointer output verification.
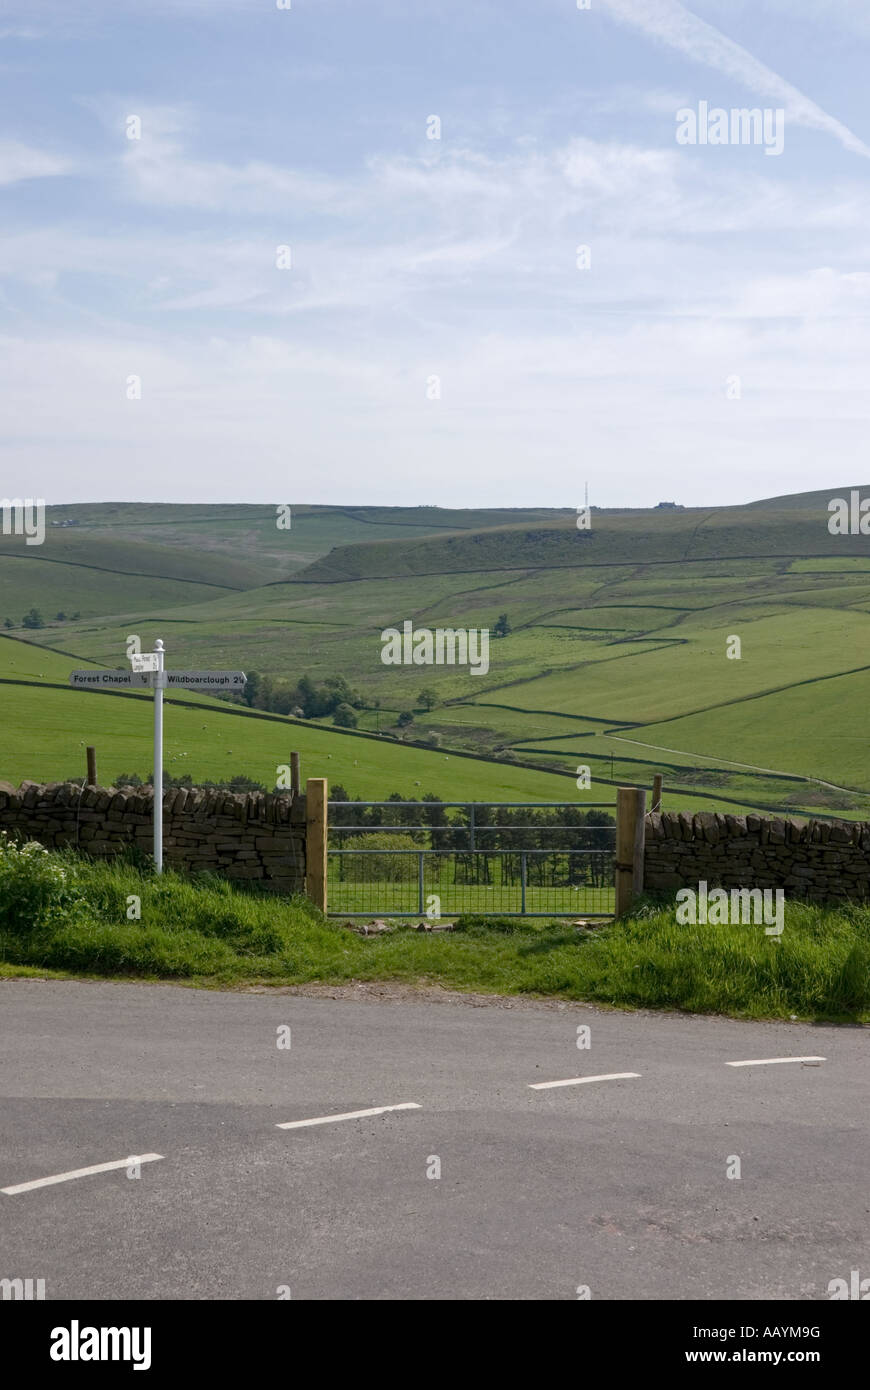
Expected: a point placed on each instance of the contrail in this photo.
(674, 25)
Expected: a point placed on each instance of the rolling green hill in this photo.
(616, 655)
(247, 539)
(694, 536)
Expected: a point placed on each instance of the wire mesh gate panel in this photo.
(382, 865)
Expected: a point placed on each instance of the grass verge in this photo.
(68, 915)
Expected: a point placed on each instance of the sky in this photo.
(235, 265)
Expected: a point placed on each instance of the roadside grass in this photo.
(61, 914)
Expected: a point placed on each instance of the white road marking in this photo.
(350, 1115)
(773, 1061)
(582, 1080)
(80, 1173)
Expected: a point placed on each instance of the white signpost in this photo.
(158, 759)
(148, 673)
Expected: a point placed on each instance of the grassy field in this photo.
(616, 658)
(667, 683)
(66, 916)
(822, 731)
(47, 729)
(55, 587)
(45, 732)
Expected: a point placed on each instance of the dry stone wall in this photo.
(239, 835)
(261, 837)
(821, 861)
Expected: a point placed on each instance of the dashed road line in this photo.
(583, 1080)
(348, 1115)
(80, 1173)
(774, 1061)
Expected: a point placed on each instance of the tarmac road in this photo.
(618, 1186)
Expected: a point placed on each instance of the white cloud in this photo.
(820, 293)
(158, 170)
(425, 247)
(19, 161)
(159, 173)
(602, 172)
(639, 400)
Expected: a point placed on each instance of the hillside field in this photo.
(48, 731)
(616, 654)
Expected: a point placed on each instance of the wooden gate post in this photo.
(316, 798)
(657, 793)
(92, 766)
(630, 812)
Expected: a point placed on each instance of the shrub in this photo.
(37, 889)
(387, 865)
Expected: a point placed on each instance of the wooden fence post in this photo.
(657, 793)
(316, 798)
(639, 840)
(295, 783)
(630, 812)
(92, 767)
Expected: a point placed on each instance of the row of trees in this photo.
(239, 783)
(550, 830)
(308, 699)
(496, 826)
(305, 699)
(33, 619)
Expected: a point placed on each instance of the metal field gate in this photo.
(447, 858)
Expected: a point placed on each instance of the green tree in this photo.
(8, 623)
(33, 619)
(265, 690)
(428, 698)
(388, 865)
(502, 627)
(283, 700)
(405, 718)
(344, 717)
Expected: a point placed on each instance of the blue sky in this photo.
(715, 350)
